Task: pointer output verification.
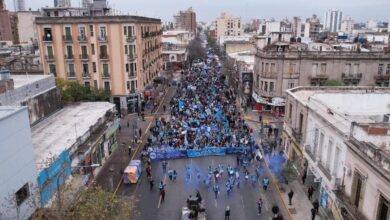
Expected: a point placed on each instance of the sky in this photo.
(208, 10)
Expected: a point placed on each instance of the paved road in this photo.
(242, 201)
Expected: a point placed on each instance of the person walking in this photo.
(140, 132)
(128, 124)
(130, 148)
(151, 182)
(164, 108)
(259, 206)
(227, 213)
(316, 206)
(304, 178)
(174, 175)
(148, 171)
(162, 194)
(164, 166)
(265, 183)
(313, 214)
(216, 190)
(310, 192)
(290, 196)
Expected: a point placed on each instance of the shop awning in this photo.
(258, 98)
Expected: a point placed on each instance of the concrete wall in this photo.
(26, 25)
(17, 165)
(234, 47)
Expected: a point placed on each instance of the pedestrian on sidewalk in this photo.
(265, 183)
(128, 124)
(313, 214)
(304, 178)
(216, 190)
(259, 206)
(290, 196)
(316, 206)
(120, 128)
(174, 175)
(148, 171)
(164, 108)
(227, 213)
(151, 182)
(130, 148)
(140, 132)
(161, 186)
(143, 116)
(310, 192)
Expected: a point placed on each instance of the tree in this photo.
(332, 82)
(195, 50)
(73, 91)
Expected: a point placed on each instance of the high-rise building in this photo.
(20, 5)
(117, 53)
(185, 20)
(347, 25)
(296, 26)
(62, 3)
(227, 25)
(5, 23)
(332, 20)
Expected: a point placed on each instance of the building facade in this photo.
(118, 53)
(185, 20)
(62, 3)
(227, 25)
(19, 195)
(284, 66)
(332, 20)
(5, 24)
(27, 30)
(326, 132)
(347, 26)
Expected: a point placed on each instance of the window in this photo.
(272, 68)
(69, 51)
(71, 72)
(291, 68)
(52, 69)
(50, 51)
(347, 68)
(290, 85)
(67, 32)
(300, 125)
(103, 51)
(47, 34)
(22, 194)
(383, 208)
(107, 85)
(132, 88)
(290, 111)
(82, 33)
(388, 69)
(128, 85)
(380, 69)
(87, 84)
(125, 30)
(95, 84)
(93, 49)
(85, 68)
(262, 67)
(105, 69)
(266, 86)
(356, 68)
(127, 67)
(261, 84)
(323, 68)
(271, 86)
(103, 32)
(314, 68)
(329, 154)
(266, 68)
(91, 30)
(94, 67)
(84, 50)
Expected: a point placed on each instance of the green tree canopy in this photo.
(73, 91)
(332, 82)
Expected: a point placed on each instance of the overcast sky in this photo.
(207, 10)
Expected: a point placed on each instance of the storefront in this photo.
(273, 106)
(133, 103)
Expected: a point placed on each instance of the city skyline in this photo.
(359, 10)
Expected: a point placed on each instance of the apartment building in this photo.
(118, 53)
(228, 25)
(185, 20)
(342, 144)
(283, 66)
(332, 20)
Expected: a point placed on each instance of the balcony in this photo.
(86, 75)
(71, 75)
(308, 152)
(132, 75)
(103, 38)
(49, 58)
(130, 39)
(82, 38)
(68, 57)
(269, 76)
(67, 38)
(132, 91)
(318, 79)
(84, 57)
(47, 39)
(346, 208)
(382, 78)
(325, 171)
(131, 57)
(106, 75)
(353, 78)
(103, 56)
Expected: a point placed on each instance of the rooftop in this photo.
(175, 32)
(60, 131)
(95, 19)
(7, 111)
(22, 80)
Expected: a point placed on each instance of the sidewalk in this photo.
(301, 206)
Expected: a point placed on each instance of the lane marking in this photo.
(139, 145)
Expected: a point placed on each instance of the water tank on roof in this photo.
(4, 74)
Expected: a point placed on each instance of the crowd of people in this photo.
(203, 114)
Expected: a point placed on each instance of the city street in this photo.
(242, 201)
